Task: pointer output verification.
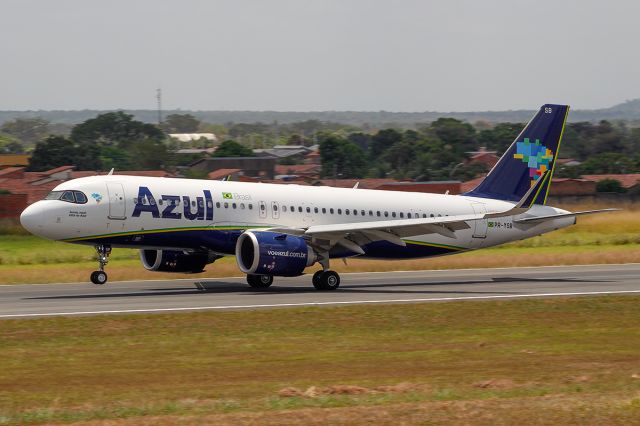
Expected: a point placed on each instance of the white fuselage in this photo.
(141, 212)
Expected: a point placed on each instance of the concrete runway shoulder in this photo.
(25, 300)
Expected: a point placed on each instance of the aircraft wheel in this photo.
(328, 280)
(98, 277)
(259, 281)
(316, 279)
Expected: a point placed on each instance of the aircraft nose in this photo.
(31, 218)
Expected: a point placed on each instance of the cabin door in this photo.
(117, 201)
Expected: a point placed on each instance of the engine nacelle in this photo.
(174, 261)
(271, 253)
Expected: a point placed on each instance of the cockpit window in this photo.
(80, 197)
(68, 196)
(54, 195)
(76, 197)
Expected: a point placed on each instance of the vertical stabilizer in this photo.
(534, 151)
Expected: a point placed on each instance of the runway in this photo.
(37, 300)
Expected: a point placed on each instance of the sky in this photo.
(317, 55)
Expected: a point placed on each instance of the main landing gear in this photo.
(100, 276)
(259, 281)
(326, 280)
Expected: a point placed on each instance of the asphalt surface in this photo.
(35, 300)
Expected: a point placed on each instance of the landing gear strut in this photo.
(100, 276)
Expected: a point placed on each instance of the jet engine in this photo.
(271, 253)
(175, 260)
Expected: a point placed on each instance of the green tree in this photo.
(10, 144)
(180, 123)
(341, 158)
(114, 128)
(610, 185)
(500, 136)
(27, 130)
(460, 135)
(608, 162)
(383, 140)
(55, 151)
(231, 148)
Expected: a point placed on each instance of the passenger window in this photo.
(241, 206)
(386, 214)
(209, 204)
(339, 211)
(160, 201)
(355, 212)
(370, 212)
(200, 203)
(346, 211)
(331, 210)
(300, 209)
(275, 207)
(226, 205)
(424, 215)
(234, 205)
(409, 215)
(263, 207)
(393, 214)
(402, 215)
(432, 215)
(218, 204)
(378, 213)
(250, 206)
(315, 210)
(324, 210)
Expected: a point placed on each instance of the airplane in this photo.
(182, 225)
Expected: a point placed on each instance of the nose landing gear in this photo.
(99, 277)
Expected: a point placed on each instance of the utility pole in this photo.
(159, 98)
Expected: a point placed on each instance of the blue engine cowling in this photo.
(174, 260)
(271, 253)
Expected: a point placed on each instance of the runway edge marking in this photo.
(289, 305)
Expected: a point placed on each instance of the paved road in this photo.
(392, 287)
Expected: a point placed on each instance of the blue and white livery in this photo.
(181, 225)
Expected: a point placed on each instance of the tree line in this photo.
(431, 151)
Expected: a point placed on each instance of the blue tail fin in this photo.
(532, 153)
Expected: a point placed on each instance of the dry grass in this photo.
(596, 410)
(562, 361)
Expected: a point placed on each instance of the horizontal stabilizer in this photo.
(537, 219)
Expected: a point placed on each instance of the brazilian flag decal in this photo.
(227, 196)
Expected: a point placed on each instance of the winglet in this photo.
(110, 171)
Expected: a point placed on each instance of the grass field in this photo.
(605, 238)
(553, 361)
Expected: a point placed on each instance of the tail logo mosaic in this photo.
(535, 155)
